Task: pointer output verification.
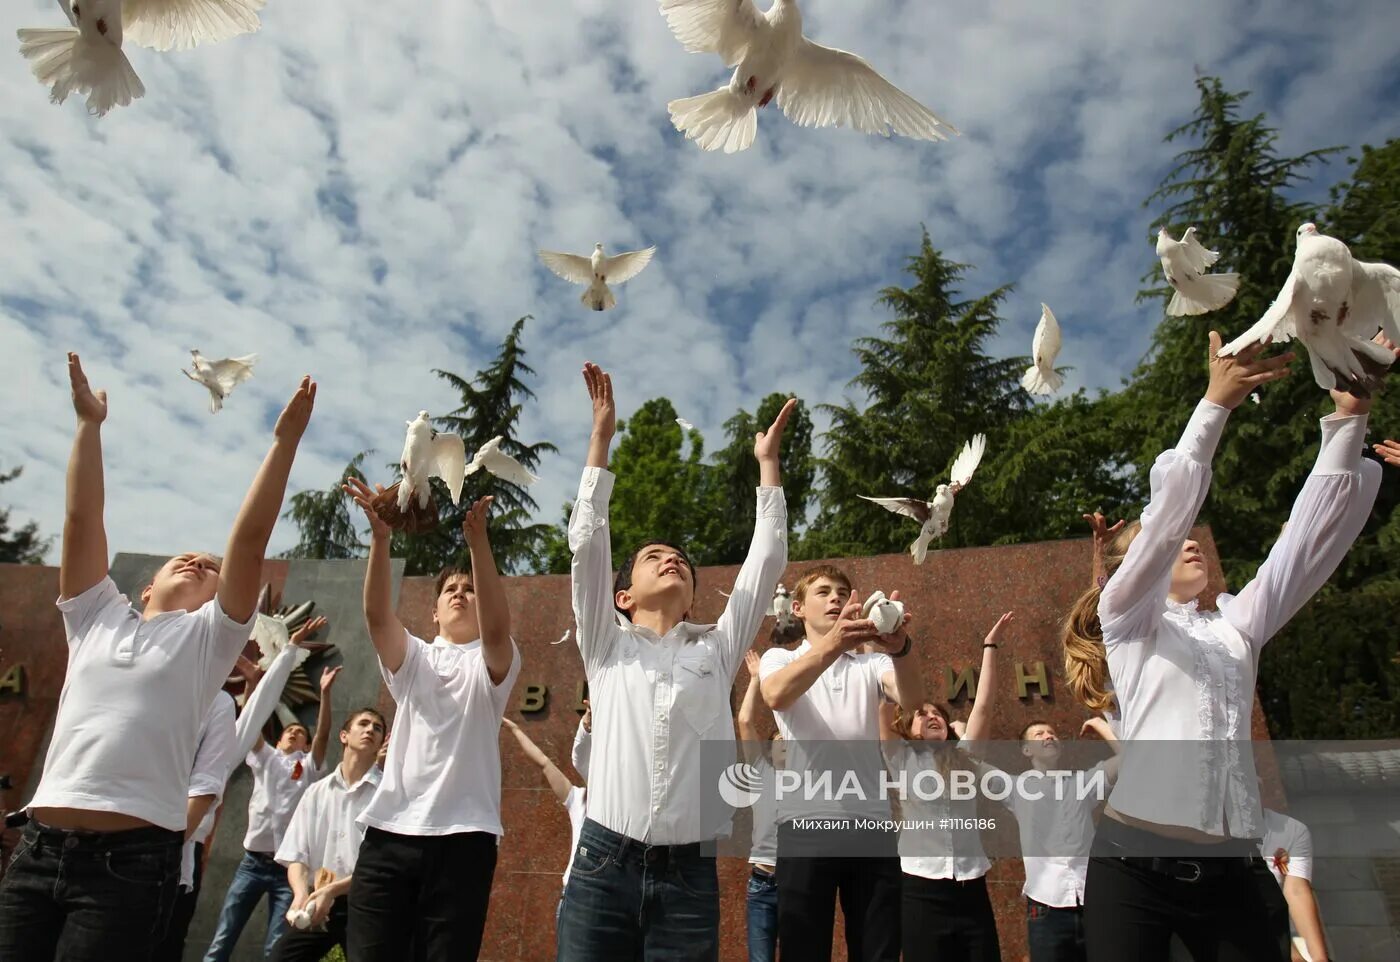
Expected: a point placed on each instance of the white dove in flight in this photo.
(685, 425)
(1335, 305)
(934, 515)
(427, 455)
(502, 465)
(85, 58)
(221, 376)
(181, 24)
(1185, 263)
(597, 271)
(815, 86)
(1041, 377)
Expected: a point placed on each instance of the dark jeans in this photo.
(949, 919)
(257, 875)
(428, 891)
(297, 945)
(172, 947)
(1134, 905)
(1054, 934)
(868, 888)
(88, 896)
(763, 917)
(628, 901)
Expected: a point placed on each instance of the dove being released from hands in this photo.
(1335, 305)
(934, 515)
(815, 86)
(221, 376)
(502, 465)
(1041, 377)
(1185, 263)
(597, 270)
(427, 455)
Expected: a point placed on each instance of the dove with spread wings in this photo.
(502, 465)
(426, 455)
(1185, 263)
(220, 376)
(815, 86)
(597, 270)
(934, 515)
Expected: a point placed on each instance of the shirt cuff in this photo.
(772, 503)
(596, 485)
(1343, 437)
(1203, 431)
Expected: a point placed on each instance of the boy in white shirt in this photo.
(322, 843)
(96, 872)
(425, 868)
(1288, 852)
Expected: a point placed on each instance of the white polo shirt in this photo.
(575, 804)
(133, 699)
(764, 837)
(1286, 846)
(213, 761)
(443, 772)
(323, 832)
(279, 781)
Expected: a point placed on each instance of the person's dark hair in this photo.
(448, 572)
(1030, 725)
(623, 581)
(904, 724)
(305, 731)
(365, 711)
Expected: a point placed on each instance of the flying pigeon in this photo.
(427, 454)
(815, 86)
(220, 377)
(502, 465)
(1334, 305)
(1041, 377)
(934, 515)
(685, 425)
(1185, 262)
(85, 57)
(886, 613)
(596, 271)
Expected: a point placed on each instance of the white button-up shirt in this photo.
(1062, 827)
(279, 781)
(583, 748)
(133, 698)
(656, 699)
(323, 833)
(1185, 676)
(213, 761)
(942, 846)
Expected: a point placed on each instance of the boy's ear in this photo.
(623, 600)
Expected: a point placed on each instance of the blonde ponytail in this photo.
(1086, 660)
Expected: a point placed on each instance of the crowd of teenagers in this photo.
(391, 854)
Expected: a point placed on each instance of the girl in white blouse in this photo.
(1177, 848)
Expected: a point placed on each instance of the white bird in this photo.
(1041, 377)
(563, 638)
(597, 270)
(781, 607)
(220, 376)
(1334, 305)
(85, 57)
(886, 613)
(934, 515)
(685, 425)
(502, 465)
(815, 86)
(1185, 262)
(181, 24)
(427, 455)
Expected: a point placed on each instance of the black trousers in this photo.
(949, 920)
(297, 945)
(172, 947)
(428, 891)
(1214, 905)
(869, 890)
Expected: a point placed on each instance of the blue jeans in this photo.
(257, 875)
(1054, 934)
(763, 917)
(628, 900)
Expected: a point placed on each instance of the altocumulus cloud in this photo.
(357, 191)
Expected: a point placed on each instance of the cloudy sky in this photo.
(357, 192)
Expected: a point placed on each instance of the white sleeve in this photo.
(82, 611)
(752, 594)
(297, 841)
(217, 752)
(1300, 854)
(265, 697)
(591, 571)
(583, 750)
(400, 682)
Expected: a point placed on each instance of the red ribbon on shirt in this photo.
(296, 771)
(1281, 861)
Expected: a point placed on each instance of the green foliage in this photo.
(23, 545)
(326, 519)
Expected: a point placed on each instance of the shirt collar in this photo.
(441, 642)
(371, 777)
(688, 630)
(806, 646)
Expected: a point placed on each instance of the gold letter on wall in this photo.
(533, 699)
(966, 681)
(1036, 676)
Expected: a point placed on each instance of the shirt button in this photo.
(656, 808)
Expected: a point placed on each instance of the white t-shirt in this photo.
(213, 761)
(1286, 846)
(133, 699)
(575, 803)
(323, 833)
(279, 780)
(764, 850)
(443, 772)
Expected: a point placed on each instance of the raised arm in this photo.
(266, 694)
(1103, 534)
(979, 722)
(492, 611)
(83, 558)
(385, 630)
(583, 741)
(322, 738)
(783, 685)
(753, 587)
(1136, 593)
(1327, 517)
(553, 777)
(241, 574)
(748, 710)
(589, 533)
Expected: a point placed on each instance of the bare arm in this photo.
(789, 683)
(748, 710)
(979, 723)
(196, 808)
(492, 611)
(83, 559)
(1302, 909)
(385, 630)
(904, 686)
(600, 390)
(556, 780)
(241, 574)
(322, 737)
(299, 878)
